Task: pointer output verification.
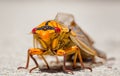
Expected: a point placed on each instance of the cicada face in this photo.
(47, 30)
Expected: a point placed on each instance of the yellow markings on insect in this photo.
(43, 44)
(60, 52)
(54, 24)
(71, 50)
(35, 51)
(55, 43)
(51, 31)
(43, 34)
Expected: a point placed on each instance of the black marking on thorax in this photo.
(46, 27)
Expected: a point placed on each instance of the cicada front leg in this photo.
(42, 57)
(64, 54)
(72, 50)
(31, 52)
(81, 61)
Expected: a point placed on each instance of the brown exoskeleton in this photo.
(62, 37)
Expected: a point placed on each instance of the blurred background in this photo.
(99, 18)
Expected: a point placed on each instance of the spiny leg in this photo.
(31, 52)
(47, 53)
(81, 61)
(35, 51)
(27, 64)
(64, 66)
(68, 51)
(74, 61)
(45, 62)
(73, 50)
(37, 66)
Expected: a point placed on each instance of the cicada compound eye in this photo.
(34, 30)
(57, 29)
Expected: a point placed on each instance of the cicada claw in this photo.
(33, 69)
(67, 70)
(88, 68)
(64, 66)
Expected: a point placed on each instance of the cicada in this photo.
(62, 37)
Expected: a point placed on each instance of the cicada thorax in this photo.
(49, 35)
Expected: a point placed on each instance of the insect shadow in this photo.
(56, 69)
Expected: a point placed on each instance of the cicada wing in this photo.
(83, 46)
(68, 21)
(64, 18)
(81, 39)
(101, 54)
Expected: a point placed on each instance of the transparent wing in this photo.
(68, 21)
(81, 39)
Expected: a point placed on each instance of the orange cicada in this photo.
(62, 37)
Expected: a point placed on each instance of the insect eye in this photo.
(57, 30)
(34, 30)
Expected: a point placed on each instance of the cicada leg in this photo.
(45, 62)
(27, 64)
(31, 52)
(64, 66)
(57, 60)
(78, 54)
(73, 50)
(81, 61)
(64, 54)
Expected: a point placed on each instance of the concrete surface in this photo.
(100, 19)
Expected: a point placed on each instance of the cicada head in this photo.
(47, 30)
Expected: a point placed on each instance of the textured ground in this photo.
(100, 19)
